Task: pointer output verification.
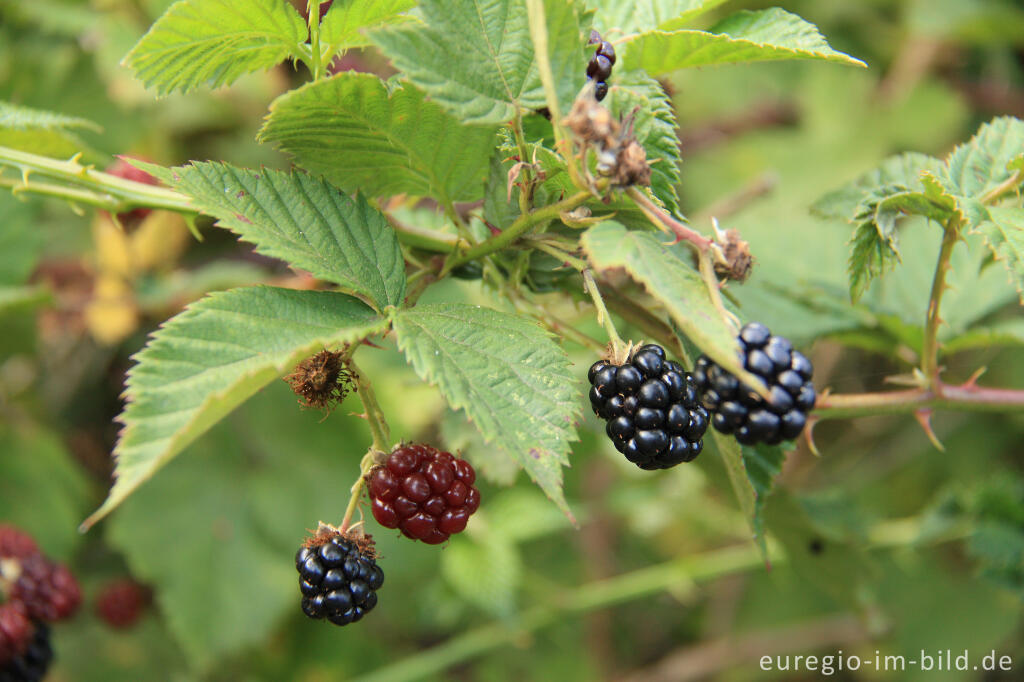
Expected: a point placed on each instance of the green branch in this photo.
(930, 348)
(968, 397)
(87, 185)
(316, 58)
(518, 228)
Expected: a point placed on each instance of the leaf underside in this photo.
(204, 362)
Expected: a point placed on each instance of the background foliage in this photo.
(890, 544)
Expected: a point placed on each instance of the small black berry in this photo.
(338, 577)
(600, 67)
(737, 407)
(607, 51)
(600, 90)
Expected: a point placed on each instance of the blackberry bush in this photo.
(651, 408)
(739, 410)
(338, 577)
(426, 493)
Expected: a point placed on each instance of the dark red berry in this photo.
(16, 544)
(121, 603)
(338, 577)
(428, 494)
(48, 590)
(15, 631)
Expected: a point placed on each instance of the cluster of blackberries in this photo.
(426, 493)
(739, 410)
(36, 591)
(599, 68)
(338, 577)
(652, 409)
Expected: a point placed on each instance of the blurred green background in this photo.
(893, 546)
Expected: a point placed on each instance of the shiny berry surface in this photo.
(338, 579)
(651, 408)
(739, 410)
(428, 494)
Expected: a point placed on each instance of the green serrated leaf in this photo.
(1002, 333)
(344, 25)
(510, 377)
(214, 42)
(617, 18)
(487, 574)
(762, 464)
(983, 162)
(15, 117)
(360, 136)
(1004, 234)
(671, 280)
(765, 35)
(901, 172)
(475, 57)
(302, 220)
(207, 360)
(655, 127)
(236, 504)
(43, 132)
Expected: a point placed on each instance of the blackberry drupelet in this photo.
(338, 577)
(425, 492)
(31, 666)
(739, 410)
(48, 590)
(651, 408)
(599, 69)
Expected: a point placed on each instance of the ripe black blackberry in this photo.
(599, 69)
(30, 666)
(338, 576)
(425, 492)
(739, 410)
(651, 408)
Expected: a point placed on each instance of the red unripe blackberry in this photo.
(15, 631)
(651, 408)
(426, 493)
(16, 544)
(30, 666)
(49, 591)
(121, 603)
(338, 577)
(739, 410)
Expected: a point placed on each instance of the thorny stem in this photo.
(602, 312)
(518, 228)
(967, 397)
(316, 58)
(525, 196)
(92, 187)
(555, 252)
(660, 217)
(930, 349)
